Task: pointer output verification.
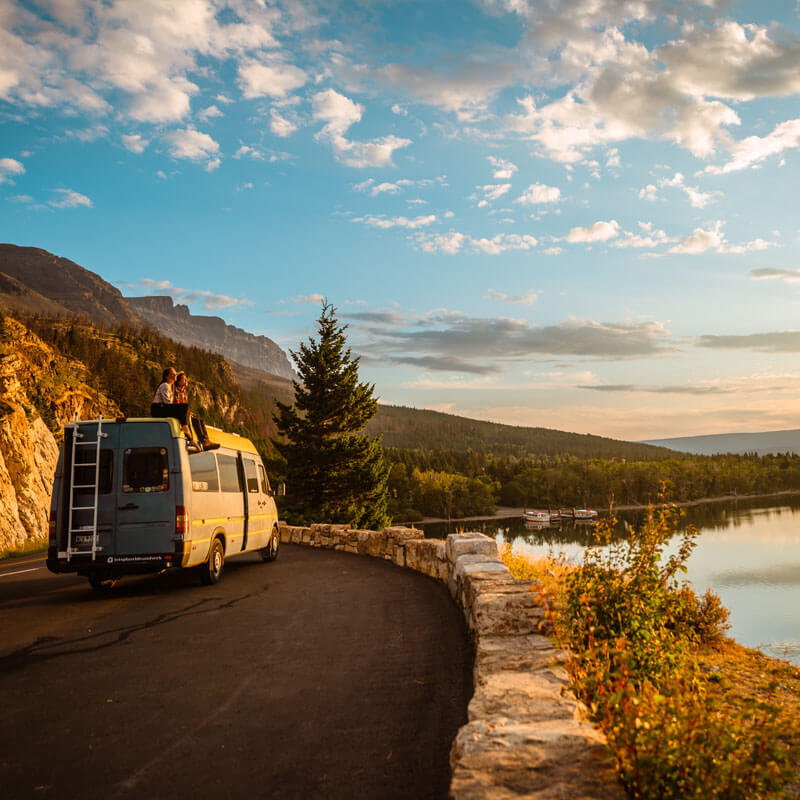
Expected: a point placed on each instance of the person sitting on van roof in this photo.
(188, 419)
(164, 395)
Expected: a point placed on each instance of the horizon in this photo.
(571, 215)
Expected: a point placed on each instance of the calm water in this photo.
(748, 553)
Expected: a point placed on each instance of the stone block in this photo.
(523, 696)
(459, 544)
(399, 555)
(561, 759)
(472, 563)
(376, 544)
(530, 652)
(424, 555)
(504, 613)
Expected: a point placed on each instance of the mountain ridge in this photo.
(760, 442)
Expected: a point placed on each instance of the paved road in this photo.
(321, 675)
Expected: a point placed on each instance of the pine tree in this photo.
(335, 473)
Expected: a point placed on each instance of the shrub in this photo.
(633, 629)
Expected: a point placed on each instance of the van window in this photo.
(229, 477)
(204, 472)
(145, 469)
(251, 476)
(264, 482)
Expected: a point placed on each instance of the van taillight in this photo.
(51, 527)
(181, 521)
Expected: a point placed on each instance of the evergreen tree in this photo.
(335, 473)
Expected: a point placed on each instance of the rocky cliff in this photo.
(212, 333)
(35, 281)
(39, 391)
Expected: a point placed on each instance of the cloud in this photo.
(598, 232)
(134, 142)
(539, 193)
(209, 113)
(449, 243)
(502, 170)
(648, 236)
(377, 317)
(9, 167)
(472, 339)
(773, 342)
(399, 110)
(491, 192)
(753, 150)
(447, 364)
(697, 199)
(70, 199)
(688, 389)
(339, 113)
(245, 151)
(525, 299)
(209, 300)
(504, 241)
(714, 239)
(192, 145)
(280, 125)
(312, 299)
(381, 221)
(771, 273)
(271, 78)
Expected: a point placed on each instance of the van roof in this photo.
(220, 437)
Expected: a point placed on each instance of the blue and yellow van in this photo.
(133, 496)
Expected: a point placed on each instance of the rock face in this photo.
(212, 333)
(66, 283)
(35, 281)
(35, 381)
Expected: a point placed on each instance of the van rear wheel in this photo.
(211, 571)
(270, 552)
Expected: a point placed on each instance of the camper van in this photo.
(133, 496)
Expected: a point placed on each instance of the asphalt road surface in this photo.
(321, 675)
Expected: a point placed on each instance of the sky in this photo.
(575, 214)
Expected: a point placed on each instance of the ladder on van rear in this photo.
(87, 463)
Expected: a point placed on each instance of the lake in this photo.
(748, 552)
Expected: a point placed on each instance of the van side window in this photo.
(204, 472)
(264, 482)
(230, 479)
(145, 469)
(250, 475)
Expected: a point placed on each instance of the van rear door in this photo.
(147, 489)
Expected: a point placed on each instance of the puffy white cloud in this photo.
(211, 112)
(396, 222)
(245, 151)
(280, 125)
(491, 192)
(67, 198)
(193, 145)
(135, 142)
(600, 231)
(539, 193)
(273, 78)
(339, 113)
(649, 236)
(753, 150)
(697, 198)
(449, 243)
(504, 241)
(700, 241)
(8, 168)
(502, 170)
(209, 300)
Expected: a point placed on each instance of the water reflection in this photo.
(748, 552)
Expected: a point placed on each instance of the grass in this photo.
(27, 549)
(687, 712)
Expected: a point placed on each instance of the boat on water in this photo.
(584, 513)
(536, 515)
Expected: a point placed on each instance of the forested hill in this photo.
(415, 429)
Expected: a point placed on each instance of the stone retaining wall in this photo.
(525, 737)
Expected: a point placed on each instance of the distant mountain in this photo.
(761, 443)
(33, 280)
(417, 429)
(212, 333)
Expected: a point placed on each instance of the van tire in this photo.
(211, 571)
(270, 552)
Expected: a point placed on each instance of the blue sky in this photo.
(577, 214)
